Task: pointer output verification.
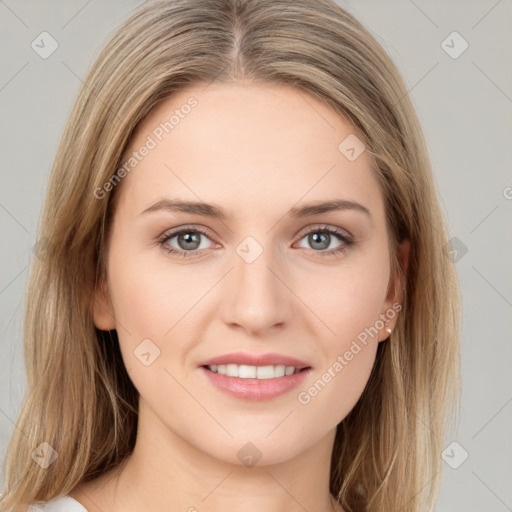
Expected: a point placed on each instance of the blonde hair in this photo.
(79, 398)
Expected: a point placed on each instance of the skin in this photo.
(241, 146)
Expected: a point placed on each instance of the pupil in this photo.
(190, 238)
(315, 239)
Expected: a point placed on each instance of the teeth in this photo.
(232, 370)
(244, 371)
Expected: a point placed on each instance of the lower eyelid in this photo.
(345, 239)
(344, 244)
(164, 241)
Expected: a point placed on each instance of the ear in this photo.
(103, 311)
(397, 283)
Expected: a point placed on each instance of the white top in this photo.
(59, 504)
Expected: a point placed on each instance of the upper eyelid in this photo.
(171, 233)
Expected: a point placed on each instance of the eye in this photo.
(187, 239)
(320, 238)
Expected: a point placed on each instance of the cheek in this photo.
(349, 299)
(150, 296)
(336, 388)
(154, 300)
(349, 305)
(348, 347)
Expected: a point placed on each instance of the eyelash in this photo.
(346, 239)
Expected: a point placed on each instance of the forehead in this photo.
(262, 144)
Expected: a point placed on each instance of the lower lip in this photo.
(255, 389)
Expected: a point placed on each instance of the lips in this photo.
(244, 358)
(273, 374)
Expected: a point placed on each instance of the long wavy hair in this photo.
(79, 397)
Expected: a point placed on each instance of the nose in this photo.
(257, 295)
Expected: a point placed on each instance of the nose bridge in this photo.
(258, 298)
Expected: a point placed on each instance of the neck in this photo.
(166, 473)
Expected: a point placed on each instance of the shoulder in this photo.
(59, 504)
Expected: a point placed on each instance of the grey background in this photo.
(465, 106)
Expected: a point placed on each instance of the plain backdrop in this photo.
(464, 102)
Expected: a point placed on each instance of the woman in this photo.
(302, 353)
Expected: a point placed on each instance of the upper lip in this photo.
(256, 360)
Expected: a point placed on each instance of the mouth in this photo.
(243, 371)
(255, 377)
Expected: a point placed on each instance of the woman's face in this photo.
(251, 275)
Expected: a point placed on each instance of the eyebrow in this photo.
(216, 212)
